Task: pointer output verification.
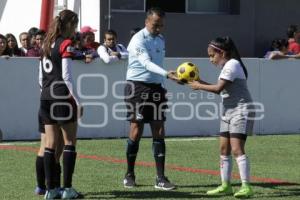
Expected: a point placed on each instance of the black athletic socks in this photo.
(49, 164)
(131, 153)
(69, 160)
(40, 172)
(57, 175)
(159, 151)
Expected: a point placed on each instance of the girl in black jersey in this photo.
(59, 104)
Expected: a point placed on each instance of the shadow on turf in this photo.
(284, 191)
(142, 195)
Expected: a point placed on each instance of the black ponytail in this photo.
(226, 44)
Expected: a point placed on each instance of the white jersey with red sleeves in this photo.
(55, 72)
(237, 91)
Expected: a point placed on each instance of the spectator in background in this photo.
(297, 38)
(77, 43)
(80, 53)
(89, 45)
(110, 51)
(279, 50)
(12, 45)
(25, 44)
(32, 35)
(3, 46)
(293, 43)
(36, 48)
(88, 37)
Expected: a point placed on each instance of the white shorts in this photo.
(239, 119)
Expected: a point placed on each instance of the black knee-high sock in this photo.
(69, 160)
(40, 172)
(159, 151)
(49, 163)
(57, 175)
(131, 153)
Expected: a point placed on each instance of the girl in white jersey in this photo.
(237, 116)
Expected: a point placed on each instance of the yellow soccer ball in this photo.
(187, 71)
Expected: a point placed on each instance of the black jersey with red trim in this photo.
(53, 83)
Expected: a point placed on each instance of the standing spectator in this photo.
(88, 37)
(293, 43)
(59, 105)
(36, 48)
(32, 35)
(12, 45)
(25, 43)
(110, 51)
(238, 113)
(3, 46)
(89, 46)
(145, 77)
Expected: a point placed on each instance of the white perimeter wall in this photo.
(273, 83)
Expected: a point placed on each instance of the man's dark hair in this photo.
(155, 10)
(111, 32)
(292, 29)
(40, 32)
(32, 31)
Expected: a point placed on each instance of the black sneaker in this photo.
(129, 181)
(163, 183)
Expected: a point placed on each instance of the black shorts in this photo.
(58, 111)
(234, 135)
(41, 124)
(145, 102)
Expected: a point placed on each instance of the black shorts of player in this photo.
(145, 102)
(58, 111)
(234, 135)
(41, 124)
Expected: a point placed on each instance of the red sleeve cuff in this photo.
(66, 49)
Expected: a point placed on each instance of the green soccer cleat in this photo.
(225, 189)
(245, 191)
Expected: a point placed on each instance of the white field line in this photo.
(190, 139)
(18, 143)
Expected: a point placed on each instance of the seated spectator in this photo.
(12, 45)
(279, 49)
(110, 51)
(3, 47)
(25, 44)
(36, 48)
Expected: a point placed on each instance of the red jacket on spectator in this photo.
(294, 46)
